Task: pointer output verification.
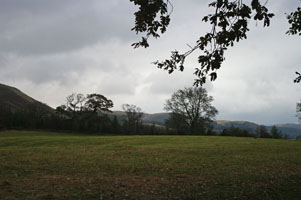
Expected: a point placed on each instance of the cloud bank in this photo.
(49, 49)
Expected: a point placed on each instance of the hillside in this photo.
(13, 99)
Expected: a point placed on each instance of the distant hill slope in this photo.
(157, 118)
(219, 125)
(292, 130)
(14, 99)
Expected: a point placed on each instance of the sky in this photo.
(52, 48)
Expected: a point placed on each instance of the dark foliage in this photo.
(192, 112)
(176, 121)
(79, 114)
(275, 133)
(133, 119)
(262, 132)
(298, 110)
(237, 132)
(98, 103)
(298, 79)
(294, 19)
(152, 18)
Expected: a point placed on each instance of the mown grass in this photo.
(42, 165)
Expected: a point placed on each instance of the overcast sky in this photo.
(52, 48)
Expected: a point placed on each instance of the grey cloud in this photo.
(285, 6)
(264, 117)
(165, 83)
(40, 70)
(118, 85)
(37, 28)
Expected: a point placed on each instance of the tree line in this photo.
(261, 132)
(80, 113)
(190, 113)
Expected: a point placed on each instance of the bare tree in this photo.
(75, 102)
(133, 121)
(192, 108)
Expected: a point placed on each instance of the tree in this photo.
(262, 132)
(237, 132)
(82, 113)
(38, 114)
(116, 128)
(176, 121)
(191, 107)
(98, 103)
(90, 103)
(275, 133)
(133, 120)
(298, 110)
(75, 102)
(229, 25)
(294, 19)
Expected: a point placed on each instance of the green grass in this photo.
(46, 165)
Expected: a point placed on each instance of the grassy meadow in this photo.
(47, 165)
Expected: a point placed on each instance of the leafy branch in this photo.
(229, 25)
(152, 17)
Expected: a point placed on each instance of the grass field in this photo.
(41, 165)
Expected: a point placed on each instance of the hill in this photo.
(291, 130)
(219, 125)
(157, 118)
(13, 99)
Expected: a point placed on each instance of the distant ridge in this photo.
(219, 125)
(292, 130)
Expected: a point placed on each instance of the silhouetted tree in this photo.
(191, 108)
(235, 131)
(86, 113)
(275, 133)
(75, 102)
(116, 127)
(298, 110)
(177, 121)
(262, 132)
(98, 103)
(133, 120)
